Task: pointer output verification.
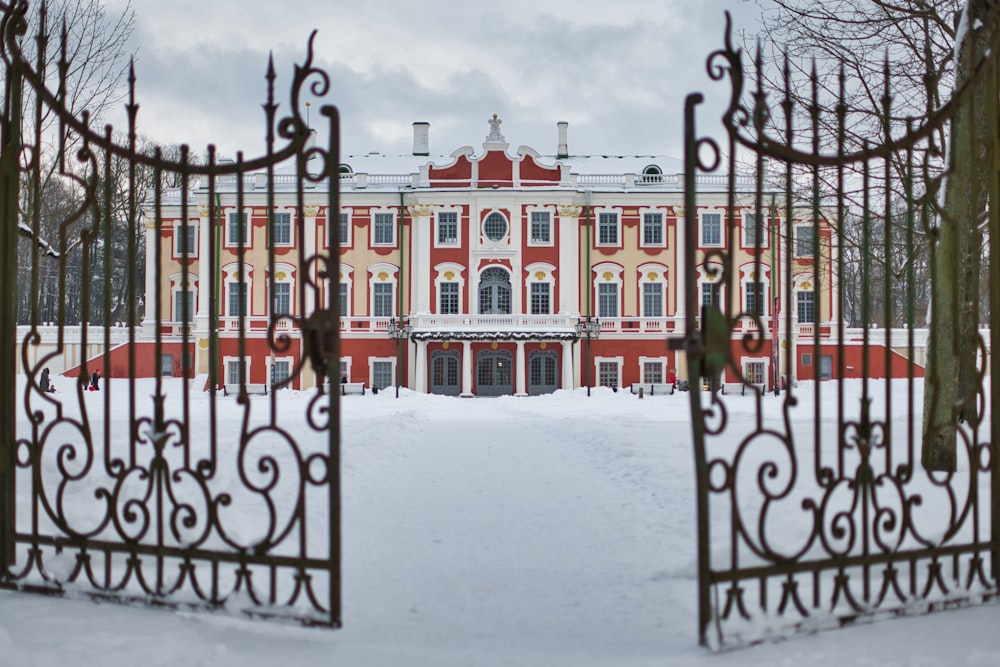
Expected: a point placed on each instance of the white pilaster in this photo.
(567, 364)
(420, 368)
(421, 231)
(467, 368)
(520, 388)
(568, 272)
(153, 295)
(309, 250)
(680, 264)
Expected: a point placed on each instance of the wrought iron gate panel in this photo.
(157, 489)
(815, 522)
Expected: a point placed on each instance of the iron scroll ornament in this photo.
(802, 528)
(149, 509)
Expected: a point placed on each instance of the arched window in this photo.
(494, 292)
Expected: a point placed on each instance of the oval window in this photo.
(495, 227)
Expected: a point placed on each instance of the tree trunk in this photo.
(952, 379)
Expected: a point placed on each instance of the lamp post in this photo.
(589, 327)
(399, 330)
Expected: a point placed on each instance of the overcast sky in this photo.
(617, 70)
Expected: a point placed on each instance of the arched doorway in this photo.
(494, 292)
(543, 372)
(445, 366)
(494, 372)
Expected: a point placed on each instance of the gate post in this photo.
(9, 180)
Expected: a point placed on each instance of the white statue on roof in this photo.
(494, 137)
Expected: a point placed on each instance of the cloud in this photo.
(618, 73)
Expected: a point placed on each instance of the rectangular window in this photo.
(607, 374)
(755, 298)
(754, 372)
(711, 229)
(186, 240)
(540, 304)
(237, 299)
(447, 228)
(807, 359)
(541, 227)
(383, 229)
(804, 241)
(280, 370)
(236, 371)
(652, 372)
(806, 307)
(345, 229)
(652, 299)
(238, 229)
(183, 306)
(753, 231)
(449, 298)
(607, 300)
(282, 299)
(607, 229)
(382, 300)
(709, 294)
(282, 229)
(382, 374)
(652, 229)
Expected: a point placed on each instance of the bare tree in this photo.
(79, 52)
(843, 49)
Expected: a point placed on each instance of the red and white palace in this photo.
(484, 273)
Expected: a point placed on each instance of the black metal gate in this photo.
(153, 488)
(819, 509)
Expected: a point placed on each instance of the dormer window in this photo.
(652, 174)
(346, 169)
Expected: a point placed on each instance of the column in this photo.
(467, 369)
(567, 365)
(680, 289)
(420, 368)
(568, 272)
(152, 296)
(309, 222)
(421, 230)
(520, 387)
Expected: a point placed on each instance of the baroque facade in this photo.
(483, 273)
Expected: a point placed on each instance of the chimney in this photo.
(421, 138)
(562, 151)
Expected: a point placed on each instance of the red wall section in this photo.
(496, 169)
(456, 176)
(532, 171)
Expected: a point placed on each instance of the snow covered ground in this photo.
(556, 530)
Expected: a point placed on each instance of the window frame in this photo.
(243, 300)
(536, 296)
(284, 285)
(801, 303)
(378, 300)
(545, 224)
(703, 228)
(230, 221)
(452, 291)
(495, 217)
(747, 239)
(608, 220)
(286, 216)
(190, 229)
(379, 224)
(661, 225)
(606, 293)
(439, 226)
(804, 242)
(759, 296)
(345, 229)
(189, 303)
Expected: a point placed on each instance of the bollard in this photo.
(640, 393)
